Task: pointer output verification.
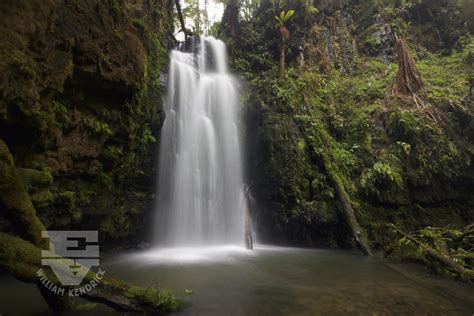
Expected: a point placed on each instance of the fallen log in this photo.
(468, 231)
(427, 251)
(351, 219)
(321, 141)
(22, 259)
(464, 274)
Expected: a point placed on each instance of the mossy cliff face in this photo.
(336, 117)
(81, 107)
(296, 202)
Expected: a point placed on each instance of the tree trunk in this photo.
(197, 19)
(248, 230)
(282, 60)
(336, 183)
(181, 19)
(351, 219)
(465, 275)
(230, 18)
(408, 80)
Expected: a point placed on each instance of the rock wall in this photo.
(81, 107)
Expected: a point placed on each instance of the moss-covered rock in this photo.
(15, 202)
(33, 177)
(399, 161)
(81, 103)
(22, 259)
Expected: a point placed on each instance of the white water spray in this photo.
(201, 191)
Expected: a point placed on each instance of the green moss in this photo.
(42, 198)
(76, 216)
(16, 203)
(432, 153)
(95, 168)
(163, 301)
(23, 259)
(383, 182)
(85, 195)
(5, 155)
(33, 177)
(117, 224)
(100, 145)
(18, 256)
(386, 152)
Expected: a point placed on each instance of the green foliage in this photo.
(115, 7)
(116, 225)
(437, 24)
(383, 182)
(199, 16)
(91, 124)
(112, 152)
(59, 108)
(23, 68)
(387, 153)
(147, 136)
(139, 25)
(96, 129)
(449, 241)
(284, 16)
(432, 155)
(118, 35)
(42, 198)
(447, 77)
(35, 178)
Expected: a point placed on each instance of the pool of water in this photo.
(271, 281)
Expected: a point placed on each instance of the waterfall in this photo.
(201, 198)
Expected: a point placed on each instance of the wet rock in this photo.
(378, 41)
(330, 41)
(143, 245)
(163, 79)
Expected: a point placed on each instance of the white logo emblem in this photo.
(71, 254)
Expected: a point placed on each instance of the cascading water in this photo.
(201, 198)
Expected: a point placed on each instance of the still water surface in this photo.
(271, 281)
